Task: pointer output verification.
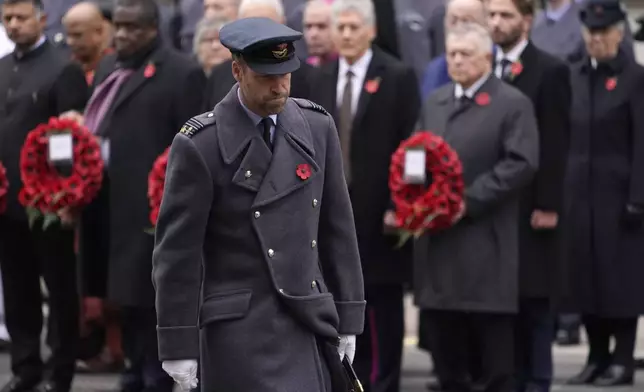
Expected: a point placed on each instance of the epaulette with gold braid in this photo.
(197, 123)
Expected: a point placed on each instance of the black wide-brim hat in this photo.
(265, 45)
(600, 14)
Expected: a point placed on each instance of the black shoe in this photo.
(615, 375)
(588, 375)
(639, 363)
(20, 384)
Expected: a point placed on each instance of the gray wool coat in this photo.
(473, 266)
(252, 263)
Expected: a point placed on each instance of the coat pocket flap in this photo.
(227, 305)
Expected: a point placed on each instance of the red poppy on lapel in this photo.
(149, 70)
(303, 171)
(611, 83)
(372, 86)
(516, 69)
(482, 99)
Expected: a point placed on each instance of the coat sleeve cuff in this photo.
(351, 317)
(176, 343)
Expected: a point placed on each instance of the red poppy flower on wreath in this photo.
(156, 182)
(611, 83)
(303, 171)
(45, 192)
(4, 188)
(372, 86)
(421, 208)
(149, 70)
(482, 99)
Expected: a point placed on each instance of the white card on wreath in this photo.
(61, 147)
(415, 166)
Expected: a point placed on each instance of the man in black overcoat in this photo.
(546, 81)
(604, 196)
(375, 104)
(142, 95)
(303, 80)
(38, 82)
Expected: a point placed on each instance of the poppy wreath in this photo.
(424, 208)
(45, 192)
(4, 188)
(156, 182)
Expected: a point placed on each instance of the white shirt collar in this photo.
(359, 68)
(470, 92)
(513, 55)
(593, 63)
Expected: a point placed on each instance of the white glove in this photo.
(347, 347)
(184, 372)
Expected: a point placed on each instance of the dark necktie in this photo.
(346, 123)
(505, 68)
(267, 123)
(462, 102)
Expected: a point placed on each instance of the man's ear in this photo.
(237, 70)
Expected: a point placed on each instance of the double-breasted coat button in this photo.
(248, 174)
(271, 253)
(314, 243)
(257, 214)
(315, 202)
(210, 114)
(314, 284)
(281, 291)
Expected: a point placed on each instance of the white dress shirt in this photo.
(512, 56)
(6, 45)
(359, 69)
(472, 90)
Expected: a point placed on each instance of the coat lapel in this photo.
(139, 78)
(293, 146)
(236, 132)
(475, 109)
(374, 73)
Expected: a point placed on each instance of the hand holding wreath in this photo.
(46, 192)
(434, 207)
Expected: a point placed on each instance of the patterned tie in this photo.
(103, 97)
(346, 120)
(267, 123)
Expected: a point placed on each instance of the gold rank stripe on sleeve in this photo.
(194, 125)
(306, 104)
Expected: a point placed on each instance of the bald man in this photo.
(304, 81)
(317, 33)
(88, 35)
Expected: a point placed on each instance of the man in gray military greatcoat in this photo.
(256, 263)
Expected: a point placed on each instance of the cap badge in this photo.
(281, 52)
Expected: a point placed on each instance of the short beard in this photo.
(511, 41)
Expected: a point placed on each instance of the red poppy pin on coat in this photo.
(482, 99)
(611, 83)
(516, 69)
(303, 171)
(149, 70)
(372, 86)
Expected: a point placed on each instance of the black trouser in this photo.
(456, 332)
(534, 330)
(25, 256)
(143, 371)
(600, 330)
(379, 348)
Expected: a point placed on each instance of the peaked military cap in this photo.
(600, 14)
(265, 45)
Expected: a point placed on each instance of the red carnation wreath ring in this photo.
(4, 188)
(419, 208)
(45, 192)
(156, 182)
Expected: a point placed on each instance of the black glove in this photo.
(633, 216)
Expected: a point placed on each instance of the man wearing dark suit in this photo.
(376, 105)
(468, 275)
(546, 81)
(143, 94)
(302, 80)
(38, 82)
